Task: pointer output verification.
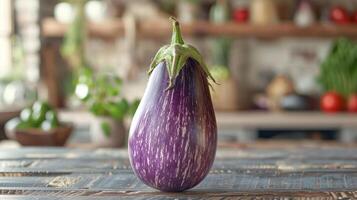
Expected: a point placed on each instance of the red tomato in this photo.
(332, 102)
(339, 15)
(354, 17)
(352, 103)
(241, 15)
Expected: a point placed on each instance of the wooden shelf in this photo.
(159, 29)
(256, 120)
(106, 29)
(286, 120)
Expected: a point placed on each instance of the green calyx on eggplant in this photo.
(176, 55)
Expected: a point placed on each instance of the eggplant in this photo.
(173, 134)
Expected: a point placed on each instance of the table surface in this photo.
(278, 170)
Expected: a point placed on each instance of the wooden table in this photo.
(266, 171)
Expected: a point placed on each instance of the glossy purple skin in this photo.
(173, 135)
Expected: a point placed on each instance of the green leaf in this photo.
(113, 91)
(118, 110)
(106, 129)
(52, 117)
(98, 108)
(338, 72)
(133, 107)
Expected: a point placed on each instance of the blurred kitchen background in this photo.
(72, 72)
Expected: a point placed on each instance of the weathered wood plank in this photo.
(55, 173)
(186, 195)
(294, 153)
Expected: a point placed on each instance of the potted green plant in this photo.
(338, 72)
(338, 76)
(102, 95)
(224, 95)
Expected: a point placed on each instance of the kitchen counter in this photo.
(274, 170)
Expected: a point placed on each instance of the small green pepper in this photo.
(39, 110)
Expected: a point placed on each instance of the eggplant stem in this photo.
(176, 32)
(176, 55)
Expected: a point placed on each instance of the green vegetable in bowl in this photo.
(39, 110)
(26, 115)
(16, 123)
(23, 125)
(40, 115)
(47, 125)
(51, 117)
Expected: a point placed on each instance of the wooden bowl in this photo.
(38, 137)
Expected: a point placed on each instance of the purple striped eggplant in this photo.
(173, 135)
